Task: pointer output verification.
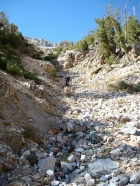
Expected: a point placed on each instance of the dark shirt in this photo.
(67, 81)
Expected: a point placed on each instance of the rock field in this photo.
(95, 139)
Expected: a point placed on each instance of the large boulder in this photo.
(80, 55)
(48, 67)
(68, 65)
(102, 166)
(70, 56)
(14, 141)
(119, 180)
(32, 159)
(58, 65)
(47, 164)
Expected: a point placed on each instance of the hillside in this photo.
(90, 137)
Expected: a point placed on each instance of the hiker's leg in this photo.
(67, 83)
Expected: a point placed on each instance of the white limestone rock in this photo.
(46, 164)
(102, 166)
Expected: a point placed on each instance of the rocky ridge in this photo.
(40, 42)
(93, 134)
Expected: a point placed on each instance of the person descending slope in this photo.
(67, 81)
(67, 88)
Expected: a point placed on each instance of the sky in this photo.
(60, 20)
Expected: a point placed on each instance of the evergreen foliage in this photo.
(11, 41)
(51, 56)
(37, 55)
(133, 27)
(111, 60)
(14, 69)
(3, 19)
(31, 76)
(90, 39)
(111, 33)
(81, 45)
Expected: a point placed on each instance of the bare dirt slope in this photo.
(24, 103)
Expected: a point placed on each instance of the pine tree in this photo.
(3, 19)
(133, 27)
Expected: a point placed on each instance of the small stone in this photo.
(82, 168)
(47, 163)
(50, 173)
(77, 171)
(83, 158)
(58, 174)
(87, 176)
(66, 166)
(79, 149)
(90, 182)
(135, 178)
(54, 183)
(71, 158)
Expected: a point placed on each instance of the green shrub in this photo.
(59, 50)
(81, 45)
(135, 88)
(64, 157)
(65, 49)
(14, 69)
(41, 52)
(16, 58)
(26, 51)
(27, 44)
(122, 85)
(51, 56)
(90, 39)
(14, 66)
(13, 39)
(37, 55)
(73, 135)
(3, 61)
(54, 74)
(29, 75)
(27, 132)
(111, 59)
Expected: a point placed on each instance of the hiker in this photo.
(67, 89)
(67, 80)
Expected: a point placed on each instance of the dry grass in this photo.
(121, 101)
(93, 86)
(136, 71)
(64, 99)
(113, 79)
(111, 87)
(119, 125)
(69, 100)
(112, 82)
(84, 79)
